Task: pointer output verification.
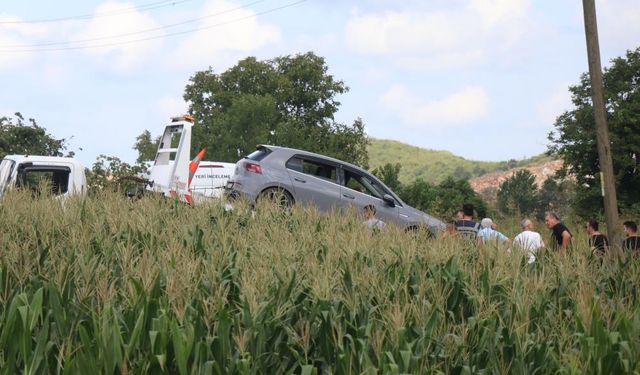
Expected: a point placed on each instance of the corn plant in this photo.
(105, 285)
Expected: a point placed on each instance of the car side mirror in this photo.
(388, 199)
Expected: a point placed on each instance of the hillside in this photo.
(436, 165)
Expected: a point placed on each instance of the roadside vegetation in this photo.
(109, 285)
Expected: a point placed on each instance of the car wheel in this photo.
(279, 196)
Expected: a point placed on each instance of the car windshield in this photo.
(6, 168)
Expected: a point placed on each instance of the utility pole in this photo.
(600, 116)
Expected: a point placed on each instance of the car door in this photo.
(360, 190)
(315, 182)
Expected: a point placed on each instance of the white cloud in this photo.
(14, 37)
(117, 51)
(499, 12)
(469, 104)
(463, 34)
(223, 38)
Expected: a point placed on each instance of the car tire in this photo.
(278, 196)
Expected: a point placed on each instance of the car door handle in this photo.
(348, 196)
(300, 180)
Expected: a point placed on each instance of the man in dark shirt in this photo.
(467, 227)
(598, 242)
(632, 242)
(559, 232)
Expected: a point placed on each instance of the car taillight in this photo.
(253, 167)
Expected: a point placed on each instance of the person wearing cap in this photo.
(528, 240)
(487, 234)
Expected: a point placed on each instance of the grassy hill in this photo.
(435, 165)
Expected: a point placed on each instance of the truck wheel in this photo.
(279, 196)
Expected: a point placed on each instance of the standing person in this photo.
(632, 242)
(370, 219)
(559, 232)
(487, 234)
(450, 231)
(466, 226)
(598, 242)
(528, 240)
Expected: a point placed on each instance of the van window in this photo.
(313, 168)
(56, 179)
(258, 154)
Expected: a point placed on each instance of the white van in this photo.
(65, 175)
(211, 177)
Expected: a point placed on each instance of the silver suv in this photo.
(311, 179)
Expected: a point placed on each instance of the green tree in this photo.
(109, 171)
(574, 138)
(421, 195)
(390, 175)
(146, 146)
(18, 137)
(452, 194)
(288, 101)
(518, 193)
(557, 195)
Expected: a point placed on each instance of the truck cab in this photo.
(65, 176)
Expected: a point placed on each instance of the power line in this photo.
(79, 41)
(158, 36)
(150, 6)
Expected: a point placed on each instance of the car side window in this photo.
(314, 168)
(358, 182)
(295, 164)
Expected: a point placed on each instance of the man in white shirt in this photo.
(528, 240)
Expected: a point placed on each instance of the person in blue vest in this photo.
(467, 227)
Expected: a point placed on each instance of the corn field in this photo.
(104, 285)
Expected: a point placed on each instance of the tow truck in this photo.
(174, 174)
(65, 176)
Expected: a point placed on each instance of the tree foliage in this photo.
(575, 136)
(389, 174)
(557, 195)
(27, 138)
(288, 101)
(108, 172)
(443, 199)
(147, 146)
(518, 193)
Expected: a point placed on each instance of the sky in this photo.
(484, 79)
